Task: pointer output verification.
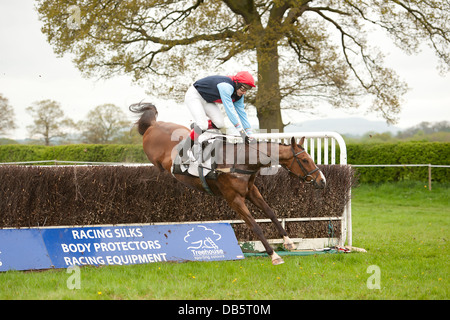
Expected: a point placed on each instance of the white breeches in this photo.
(202, 110)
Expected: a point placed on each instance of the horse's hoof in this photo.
(277, 261)
(288, 243)
(289, 246)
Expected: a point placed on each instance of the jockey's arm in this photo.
(235, 111)
(240, 109)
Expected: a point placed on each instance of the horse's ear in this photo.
(293, 142)
(301, 141)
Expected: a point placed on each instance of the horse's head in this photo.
(303, 166)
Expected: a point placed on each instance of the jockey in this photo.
(202, 98)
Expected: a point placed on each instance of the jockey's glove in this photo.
(246, 138)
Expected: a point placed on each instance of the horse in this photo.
(235, 182)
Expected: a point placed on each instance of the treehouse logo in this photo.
(202, 242)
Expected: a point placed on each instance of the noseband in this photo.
(307, 174)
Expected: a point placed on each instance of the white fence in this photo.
(313, 144)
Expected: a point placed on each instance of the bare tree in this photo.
(49, 121)
(104, 124)
(6, 115)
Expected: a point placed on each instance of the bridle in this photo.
(307, 174)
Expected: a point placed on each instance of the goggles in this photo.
(244, 87)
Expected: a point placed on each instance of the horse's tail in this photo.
(148, 115)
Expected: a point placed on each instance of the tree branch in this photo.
(344, 34)
(183, 14)
(244, 8)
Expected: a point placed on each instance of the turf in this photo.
(403, 226)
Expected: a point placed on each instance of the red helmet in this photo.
(244, 77)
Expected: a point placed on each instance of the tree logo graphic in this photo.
(201, 237)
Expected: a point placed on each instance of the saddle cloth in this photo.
(204, 150)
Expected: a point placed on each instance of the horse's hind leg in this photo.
(256, 198)
(237, 203)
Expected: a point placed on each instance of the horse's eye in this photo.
(305, 160)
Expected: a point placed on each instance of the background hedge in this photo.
(74, 152)
(437, 153)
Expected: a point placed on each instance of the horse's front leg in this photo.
(237, 203)
(256, 198)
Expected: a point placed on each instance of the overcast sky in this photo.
(30, 71)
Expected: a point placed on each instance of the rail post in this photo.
(429, 176)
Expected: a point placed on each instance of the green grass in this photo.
(403, 226)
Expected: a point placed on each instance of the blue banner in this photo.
(23, 249)
(116, 245)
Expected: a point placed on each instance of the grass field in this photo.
(403, 226)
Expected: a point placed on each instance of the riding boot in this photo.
(191, 140)
(187, 145)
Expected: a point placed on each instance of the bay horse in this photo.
(235, 181)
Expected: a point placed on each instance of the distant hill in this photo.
(7, 141)
(347, 126)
